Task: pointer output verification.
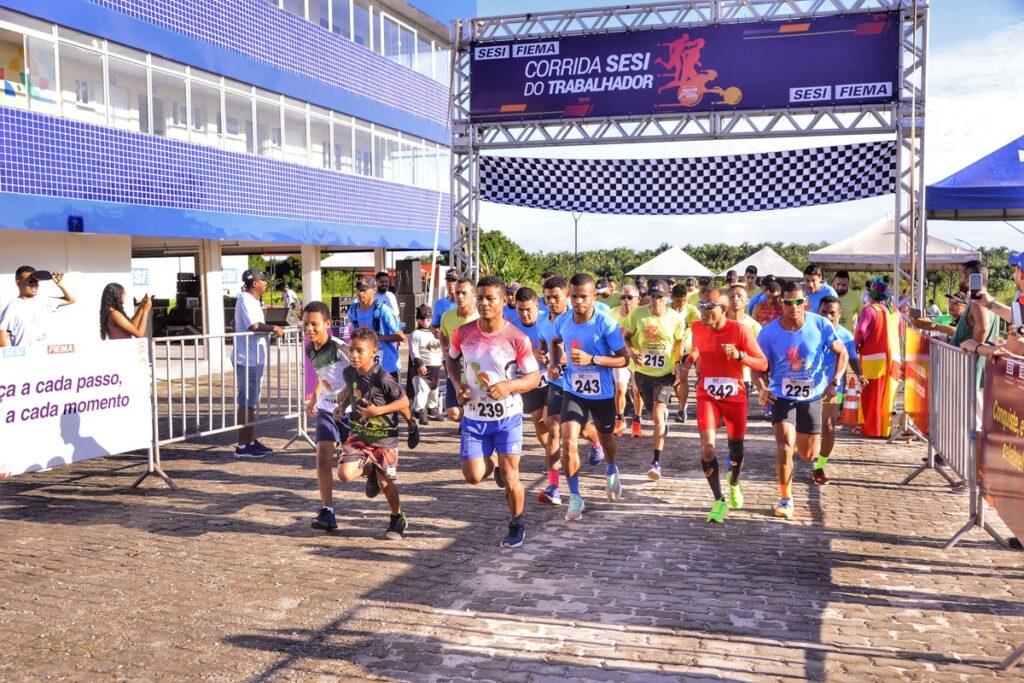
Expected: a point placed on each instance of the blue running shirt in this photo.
(599, 336)
(846, 337)
(533, 333)
(547, 333)
(797, 360)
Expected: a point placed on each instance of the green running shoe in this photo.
(735, 497)
(717, 513)
(576, 506)
(614, 487)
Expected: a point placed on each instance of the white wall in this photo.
(89, 263)
(158, 277)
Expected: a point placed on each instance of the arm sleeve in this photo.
(435, 319)
(865, 320)
(524, 355)
(454, 351)
(755, 356)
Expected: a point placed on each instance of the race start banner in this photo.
(1001, 461)
(843, 60)
(62, 403)
(918, 369)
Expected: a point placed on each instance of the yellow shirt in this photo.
(450, 319)
(852, 303)
(655, 336)
(755, 327)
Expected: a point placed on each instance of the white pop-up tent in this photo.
(768, 262)
(872, 249)
(672, 262)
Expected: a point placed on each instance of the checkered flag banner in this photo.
(696, 185)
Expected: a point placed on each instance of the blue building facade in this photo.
(290, 121)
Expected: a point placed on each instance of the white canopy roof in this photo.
(672, 262)
(768, 262)
(872, 249)
(363, 260)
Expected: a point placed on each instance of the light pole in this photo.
(576, 216)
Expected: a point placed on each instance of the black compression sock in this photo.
(711, 474)
(736, 459)
(657, 455)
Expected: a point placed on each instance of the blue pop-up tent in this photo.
(992, 188)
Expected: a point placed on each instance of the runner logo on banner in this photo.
(64, 403)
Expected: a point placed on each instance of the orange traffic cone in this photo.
(851, 405)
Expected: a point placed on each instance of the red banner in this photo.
(918, 368)
(1001, 462)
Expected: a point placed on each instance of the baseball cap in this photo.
(252, 275)
(365, 282)
(679, 290)
(451, 275)
(656, 288)
(37, 274)
(602, 285)
(1017, 260)
(958, 297)
(512, 287)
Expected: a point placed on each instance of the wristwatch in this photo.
(741, 356)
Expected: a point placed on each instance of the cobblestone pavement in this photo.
(224, 580)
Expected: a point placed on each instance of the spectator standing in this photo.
(850, 301)
(114, 322)
(445, 302)
(384, 292)
(289, 299)
(878, 334)
(933, 309)
(250, 359)
(24, 320)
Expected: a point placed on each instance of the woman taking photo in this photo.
(114, 322)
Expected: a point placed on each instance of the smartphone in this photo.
(975, 284)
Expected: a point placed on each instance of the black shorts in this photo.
(653, 389)
(583, 410)
(554, 400)
(535, 399)
(806, 415)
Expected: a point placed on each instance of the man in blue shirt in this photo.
(796, 346)
(379, 317)
(815, 288)
(528, 322)
(445, 302)
(592, 346)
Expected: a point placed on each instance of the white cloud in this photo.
(975, 100)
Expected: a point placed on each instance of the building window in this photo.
(237, 122)
(341, 18)
(268, 129)
(319, 140)
(320, 13)
(343, 160)
(295, 136)
(206, 114)
(170, 112)
(296, 7)
(42, 76)
(129, 108)
(81, 75)
(361, 22)
(425, 57)
(364, 152)
(13, 71)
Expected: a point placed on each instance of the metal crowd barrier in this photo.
(195, 389)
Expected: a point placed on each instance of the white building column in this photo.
(211, 278)
(379, 260)
(312, 281)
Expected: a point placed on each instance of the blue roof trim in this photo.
(96, 20)
(50, 214)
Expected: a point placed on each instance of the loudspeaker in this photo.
(409, 276)
(407, 304)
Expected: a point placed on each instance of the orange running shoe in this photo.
(636, 430)
(619, 426)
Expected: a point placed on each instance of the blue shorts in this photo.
(248, 380)
(329, 429)
(482, 439)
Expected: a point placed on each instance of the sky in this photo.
(975, 100)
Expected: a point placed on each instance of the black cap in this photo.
(451, 275)
(704, 281)
(252, 275)
(365, 282)
(679, 290)
(751, 269)
(423, 312)
(657, 288)
(37, 274)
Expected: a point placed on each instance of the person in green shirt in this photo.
(654, 337)
(850, 300)
(606, 295)
(682, 305)
(464, 312)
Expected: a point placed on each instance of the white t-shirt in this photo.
(426, 347)
(389, 298)
(253, 350)
(26, 320)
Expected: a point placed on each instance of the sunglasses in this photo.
(707, 305)
(627, 297)
(794, 302)
(31, 282)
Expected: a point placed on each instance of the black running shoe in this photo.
(397, 527)
(325, 520)
(414, 435)
(372, 485)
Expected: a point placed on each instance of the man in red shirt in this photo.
(722, 348)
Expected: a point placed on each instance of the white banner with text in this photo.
(61, 403)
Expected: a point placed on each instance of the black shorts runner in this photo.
(653, 389)
(582, 410)
(806, 415)
(554, 400)
(535, 399)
